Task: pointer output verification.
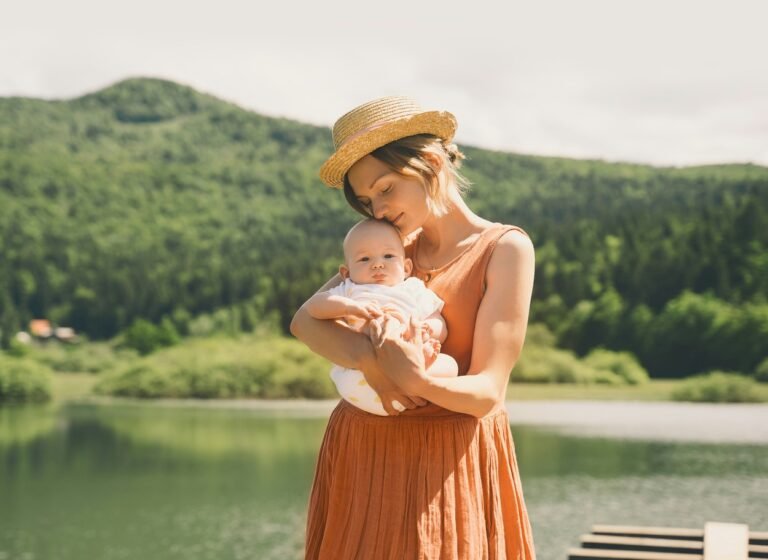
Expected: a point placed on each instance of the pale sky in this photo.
(668, 82)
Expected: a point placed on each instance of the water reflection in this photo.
(546, 453)
(165, 483)
(22, 424)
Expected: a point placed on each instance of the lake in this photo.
(229, 480)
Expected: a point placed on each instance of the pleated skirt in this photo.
(421, 486)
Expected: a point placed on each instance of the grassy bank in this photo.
(269, 367)
(70, 387)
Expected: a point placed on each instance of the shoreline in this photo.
(683, 422)
(69, 387)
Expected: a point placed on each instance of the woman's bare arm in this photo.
(341, 345)
(499, 334)
(332, 340)
(499, 331)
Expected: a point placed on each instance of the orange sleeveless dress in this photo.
(430, 483)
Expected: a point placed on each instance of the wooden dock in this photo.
(716, 541)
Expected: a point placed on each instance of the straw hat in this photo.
(375, 124)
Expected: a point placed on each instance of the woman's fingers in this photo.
(376, 332)
(388, 408)
(415, 331)
(395, 404)
(392, 327)
(374, 311)
(412, 329)
(393, 311)
(404, 401)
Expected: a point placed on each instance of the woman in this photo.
(438, 478)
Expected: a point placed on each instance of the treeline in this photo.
(151, 200)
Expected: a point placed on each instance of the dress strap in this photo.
(490, 244)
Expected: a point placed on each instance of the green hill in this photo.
(149, 197)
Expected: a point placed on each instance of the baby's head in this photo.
(374, 254)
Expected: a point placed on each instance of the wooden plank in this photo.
(757, 551)
(725, 541)
(758, 537)
(668, 532)
(598, 554)
(673, 545)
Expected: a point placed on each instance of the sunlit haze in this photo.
(668, 83)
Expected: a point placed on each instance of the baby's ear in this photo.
(344, 272)
(408, 266)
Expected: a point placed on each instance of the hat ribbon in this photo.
(365, 130)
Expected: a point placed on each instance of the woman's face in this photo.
(399, 199)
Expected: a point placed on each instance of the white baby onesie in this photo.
(412, 298)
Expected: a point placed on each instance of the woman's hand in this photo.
(399, 353)
(393, 399)
(393, 311)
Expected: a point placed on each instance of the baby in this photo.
(376, 282)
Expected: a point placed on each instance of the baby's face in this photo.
(374, 254)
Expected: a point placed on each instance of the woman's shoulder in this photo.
(510, 231)
(501, 238)
(511, 248)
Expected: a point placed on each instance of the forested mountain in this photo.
(149, 198)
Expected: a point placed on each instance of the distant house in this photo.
(40, 328)
(65, 334)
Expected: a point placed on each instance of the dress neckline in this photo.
(469, 247)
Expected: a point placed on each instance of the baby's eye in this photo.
(389, 188)
(364, 259)
(389, 256)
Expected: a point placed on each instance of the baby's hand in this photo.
(431, 350)
(394, 312)
(367, 311)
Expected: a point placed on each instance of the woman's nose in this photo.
(379, 210)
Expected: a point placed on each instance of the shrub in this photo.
(24, 381)
(146, 337)
(539, 364)
(623, 364)
(718, 386)
(761, 371)
(93, 357)
(250, 366)
(17, 348)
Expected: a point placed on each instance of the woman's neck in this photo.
(446, 232)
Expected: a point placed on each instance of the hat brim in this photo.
(439, 123)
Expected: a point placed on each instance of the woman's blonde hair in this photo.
(406, 157)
